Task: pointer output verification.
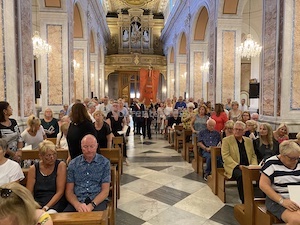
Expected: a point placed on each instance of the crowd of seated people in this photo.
(244, 141)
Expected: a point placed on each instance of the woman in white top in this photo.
(34, 133)
(61, 139)
(10, 171)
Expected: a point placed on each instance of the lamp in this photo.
(249, 48)
(76, 65)
(205, 67)
(40, 47)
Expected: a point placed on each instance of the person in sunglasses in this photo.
(10, 170)
(19, 208)
(278, 172)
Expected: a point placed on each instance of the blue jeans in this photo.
(207, 157)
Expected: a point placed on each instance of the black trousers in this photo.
(101, 207)
(237, 175)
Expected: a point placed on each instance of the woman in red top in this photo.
(219, 116)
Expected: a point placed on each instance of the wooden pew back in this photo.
(80, 218)
(212, 178)
(34, 154)
(185, 150)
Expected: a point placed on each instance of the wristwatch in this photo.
(94, 204)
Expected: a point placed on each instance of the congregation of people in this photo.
(81, 183)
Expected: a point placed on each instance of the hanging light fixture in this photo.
(249, 48)
(205, 67)
(40, 47)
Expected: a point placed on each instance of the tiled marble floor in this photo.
(159, 188)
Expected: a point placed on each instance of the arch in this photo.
(172, 58)
(92, 43)
(78, 28)
(182, 44)
(201, 25)
(53, 3)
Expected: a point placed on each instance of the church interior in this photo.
(56, 51)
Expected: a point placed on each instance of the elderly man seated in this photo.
(88, 179)
(207, 138)
(237, 150)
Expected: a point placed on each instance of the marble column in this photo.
(280, 96)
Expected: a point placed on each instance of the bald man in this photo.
(207, 138)
(88, 179)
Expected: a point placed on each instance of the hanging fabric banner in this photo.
(148, 85)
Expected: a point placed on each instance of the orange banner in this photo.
(148, 85)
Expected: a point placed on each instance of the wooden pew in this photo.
(115, 157)
(118, 142)
(189, 147)
(80, 218)
(185, 149)
(212, 178)
(178, 138)
(250, 212)
(34, 154)
(198, 162)
(112, 204)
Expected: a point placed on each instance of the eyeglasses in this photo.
(292, 158)
(5, 192)
(49, 155)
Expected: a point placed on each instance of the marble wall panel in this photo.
(172, 83)
(295, 84)
(93, 76)
(28, 103)
(269, 52)
(70, 8)
(245, 76)
(198, 75)
(228, 65)
(55, 61)
(79, 74)
(2, 62)
(182, 79)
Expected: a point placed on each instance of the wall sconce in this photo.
(205, 67)
(92, 75)
(173, 80)
(76, 65)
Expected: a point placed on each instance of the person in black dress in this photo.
(80, 126)
(116, 121)
(104, 134)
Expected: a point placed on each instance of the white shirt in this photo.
(33, 140)
(10, 171)
(61, 141)
(104, 108)
(243, 107)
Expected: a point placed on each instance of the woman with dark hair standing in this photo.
(80, 126)
(10, 132)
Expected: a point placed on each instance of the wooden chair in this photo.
(114, 156)
(253, 211)
(212, 178)
(80, 218)
(178, 138)
(185, 151)
(112, 204)
(118, 142)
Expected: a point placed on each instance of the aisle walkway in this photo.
(159, 188)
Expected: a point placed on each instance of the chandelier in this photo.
(40, 47)
(249, 48)
(205, 67)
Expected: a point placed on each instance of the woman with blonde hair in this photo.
(235, 114)
(50, 124)
(251, 127)
(47, 178)
(228, 129)
(278, 172)
(281, 133)
(17, 207)
(34, 133)
(104, 134)
(264, 146)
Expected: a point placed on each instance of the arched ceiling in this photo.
(155, 6)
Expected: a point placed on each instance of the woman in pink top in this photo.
(219, 116)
